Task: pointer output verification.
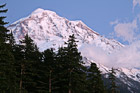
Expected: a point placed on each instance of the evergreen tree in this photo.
(48, 68)
(7, 80)
(113, 86)
(29, 66)
(61, 80)
(12, 48)
(12, 42)
(71, 70)
(19, 65)
(94, 80)
(3, 31)
(77, 75)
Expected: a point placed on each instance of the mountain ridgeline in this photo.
(41, 55)
(48, 30)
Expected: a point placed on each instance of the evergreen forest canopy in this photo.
(24, 69)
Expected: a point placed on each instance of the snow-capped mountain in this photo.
(48, 30)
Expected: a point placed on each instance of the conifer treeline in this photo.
(24, 69)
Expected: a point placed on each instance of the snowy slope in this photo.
(134, 74)
(46, 26)
(48, 30)
(127, 79)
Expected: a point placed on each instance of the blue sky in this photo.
(97, 14)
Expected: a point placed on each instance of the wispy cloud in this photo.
(114, 22)
(126, 30)
(135, 3)
(128, 56)
(95, 53)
